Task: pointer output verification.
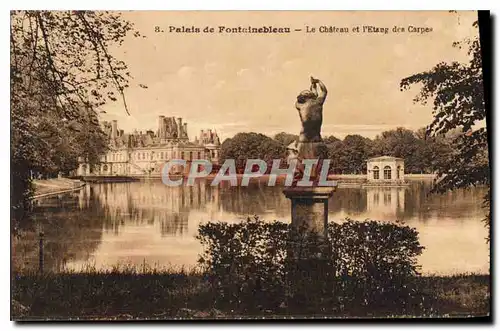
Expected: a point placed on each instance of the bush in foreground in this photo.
(362, 268)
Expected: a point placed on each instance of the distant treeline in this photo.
(422, 154)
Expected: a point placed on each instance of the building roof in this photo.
(384, 158)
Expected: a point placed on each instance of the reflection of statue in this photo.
(310, 106)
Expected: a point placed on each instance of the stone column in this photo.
(310, 207)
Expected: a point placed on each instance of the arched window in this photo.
(398, 171)
(190, 155)
(387, 172)
(376, 172)
(161, 155)
(105, 168)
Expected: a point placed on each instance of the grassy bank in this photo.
(123, 294)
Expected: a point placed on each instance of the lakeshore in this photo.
(341, 180)
(133, 294)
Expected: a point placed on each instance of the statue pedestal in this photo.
(310, 207)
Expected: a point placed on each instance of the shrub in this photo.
(360, 267)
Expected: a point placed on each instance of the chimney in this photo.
(114, 127)
(161, 126)
(179, 127)
(185, 130)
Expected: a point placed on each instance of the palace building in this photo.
(145, 153)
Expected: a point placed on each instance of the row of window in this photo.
(164, 155)
(387, 172)
(157, 156)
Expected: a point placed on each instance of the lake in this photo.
(104, 225)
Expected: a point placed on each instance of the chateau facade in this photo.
(145, 153)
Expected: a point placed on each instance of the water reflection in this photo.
(69, 234)
(386, 202)
(106, 224)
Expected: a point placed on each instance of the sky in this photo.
(249, 82)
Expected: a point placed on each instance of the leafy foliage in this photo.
(457, 92)
(360, 267)
(67, 53)
(61, 71)
(355, 150)
(422, 154)
(286, 138)
(251, 145)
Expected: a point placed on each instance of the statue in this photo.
(310, 144)
(309, 199)
(310, 106)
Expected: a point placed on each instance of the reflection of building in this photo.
(385, 201)
(150, 202)
(385, 169)
(144, 153)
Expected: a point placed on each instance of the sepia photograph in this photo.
(222, 165)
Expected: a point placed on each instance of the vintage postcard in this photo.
(249, 164)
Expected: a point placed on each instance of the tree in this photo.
(251, 145)
(330, 140)
(286, 138)
(405, 144)
(334, 154)
(433, 151)
(355, 152)
(61, 71)
(457, 92)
